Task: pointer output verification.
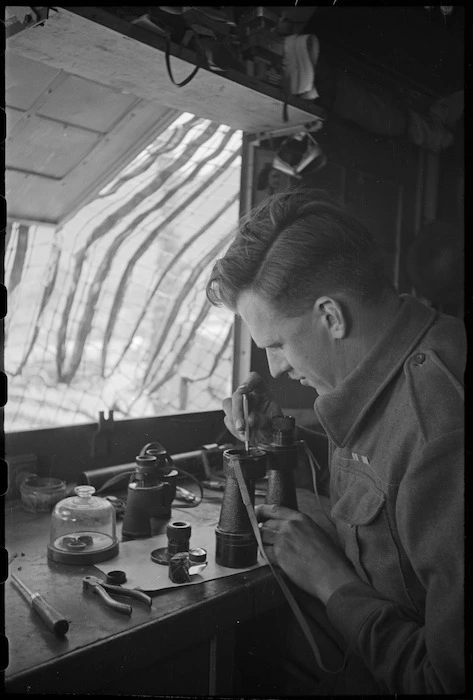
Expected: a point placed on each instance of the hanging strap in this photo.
(285, 87)
(168, 66)
(313, 466)
(285, 589)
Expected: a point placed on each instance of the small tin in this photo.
(116, 577)
(197, 555)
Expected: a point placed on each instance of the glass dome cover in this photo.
(83, 529)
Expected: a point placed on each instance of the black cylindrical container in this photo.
(179, 534)
(282, 455)
(236, 545)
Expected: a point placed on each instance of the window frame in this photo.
(65, 450)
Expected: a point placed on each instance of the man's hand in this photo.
(304, 551)
(261, 408)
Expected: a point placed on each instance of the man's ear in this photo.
(332, 315)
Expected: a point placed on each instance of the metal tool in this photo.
(51, 617)
(247, 425)
(92, 584)
(214, 485)
(184, 495)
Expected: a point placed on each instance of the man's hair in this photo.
(294, 247)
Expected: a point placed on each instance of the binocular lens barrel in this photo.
(236, 545)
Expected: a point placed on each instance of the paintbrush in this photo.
(247, 424)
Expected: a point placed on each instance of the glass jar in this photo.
(39, 494)
(83, 529)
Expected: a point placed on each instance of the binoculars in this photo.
(236, 545)
(151, 491)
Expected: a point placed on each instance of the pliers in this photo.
(96, 585)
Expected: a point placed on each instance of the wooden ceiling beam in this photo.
(100, 46)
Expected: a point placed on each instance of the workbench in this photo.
(186, 644)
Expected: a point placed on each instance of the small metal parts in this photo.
(197, 555)
(178, 534)
(75, 544)
(183, 561)
(183, 565)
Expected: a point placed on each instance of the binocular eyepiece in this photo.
(151, 491)
(236, 545)
(282, 455)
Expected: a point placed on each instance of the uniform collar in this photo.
(341, 411)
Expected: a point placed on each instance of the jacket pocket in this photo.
(360, 505)
(363, 524)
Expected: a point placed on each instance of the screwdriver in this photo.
(53, 620)
(247, 425)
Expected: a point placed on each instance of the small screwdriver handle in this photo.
(56, 623)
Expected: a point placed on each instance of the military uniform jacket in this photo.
(396, 428)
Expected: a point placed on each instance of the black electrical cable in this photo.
(119, 477)
(115, 480)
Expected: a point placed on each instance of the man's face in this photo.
(300, 346)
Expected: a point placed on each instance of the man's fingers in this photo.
(270, 554)
(273, 512)
(268, 535)
(228, 420)
(269, 538)
(253, 382)
(227, 406)
(233, 406)
(237, 407)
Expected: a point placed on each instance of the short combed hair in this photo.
(294, 247)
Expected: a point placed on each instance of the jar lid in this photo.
(84, 500)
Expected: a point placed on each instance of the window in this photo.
(108, 312)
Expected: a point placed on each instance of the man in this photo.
(307, 280)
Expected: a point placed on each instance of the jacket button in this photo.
(419, 358)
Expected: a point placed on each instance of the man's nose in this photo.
(277, 363)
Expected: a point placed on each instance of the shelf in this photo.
(100, 46)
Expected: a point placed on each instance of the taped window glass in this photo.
(109, 310)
